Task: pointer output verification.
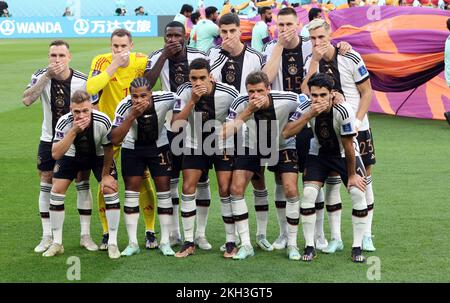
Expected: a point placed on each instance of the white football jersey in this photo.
(96, 135)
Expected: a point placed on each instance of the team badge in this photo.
(295, 116)
(292, 70)
(39, 160)
(59, 135)
(179, 79)
(230, 77)
(347, 127)
(59, 102)
(324, 133)
(231, 115)
(56, 168)
(119, 120)
(362, 70)
(302, 98)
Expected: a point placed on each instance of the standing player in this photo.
(171, 65)
(231, 63)
(207, 30)
(204, 101)
(351, 78)
(285, 67)
(55, 85)
(82, 143)
(260, 32)
(139, 124)
(110, 78)
(265, 112)
(332, 152)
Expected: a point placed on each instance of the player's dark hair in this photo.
(256, 78)
(80, 96)
(59, 43)
(140, 82)
(186, 8)
(448, 24)
(321, 80)
(175, 24)
(229, 19)
(210, 10)
(195, 17)
(348, 1)
(287, 11)
(314, 13)
(200, 63)
(264, 9)
(121, 32)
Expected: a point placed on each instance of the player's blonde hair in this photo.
(80, 96)
(318, 23)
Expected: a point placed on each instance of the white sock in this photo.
(334, 206)
(188, 212)
(308, 212)
(44, 203)
(57, 215)
(292, 218)
(131, 210)
(228, 219)
(84, 204)
(261, 200)
(370, 203)
(359, 215)
(240, 214)
(320, 204)
(280, 203)
(165, 213)
(175, 229)
(202, 200)
(112, 212)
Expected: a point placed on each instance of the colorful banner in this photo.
(69, 27)
(403, 48)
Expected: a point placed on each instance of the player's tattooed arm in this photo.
(31, 94)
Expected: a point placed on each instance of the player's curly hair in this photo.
(140, 82)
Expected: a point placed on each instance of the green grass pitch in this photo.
(411, 221)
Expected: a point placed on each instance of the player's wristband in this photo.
(358, 123)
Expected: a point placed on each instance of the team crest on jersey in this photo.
(59, 135)
(362, 70)
(292, 70)
(119, 120)
(324, 133)
(179, 79)
(33, 82)
(95, 73)
(347, 127)
(230, 77)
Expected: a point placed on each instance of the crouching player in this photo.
(332, 152)
(139, 127)
(82, 143)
